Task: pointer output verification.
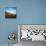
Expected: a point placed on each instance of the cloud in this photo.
(11, 10)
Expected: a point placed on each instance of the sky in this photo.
(11, 10)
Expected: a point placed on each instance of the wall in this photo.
(28, 12)
(6, 25)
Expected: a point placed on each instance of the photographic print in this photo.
(10, 12)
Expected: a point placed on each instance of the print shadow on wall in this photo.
(10, 12)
